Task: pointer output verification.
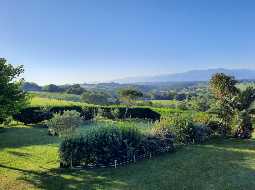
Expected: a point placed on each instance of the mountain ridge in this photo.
(192, 75)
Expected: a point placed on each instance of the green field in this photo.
(38, 101)
(165, 102)
(58, 96)
(29, 160)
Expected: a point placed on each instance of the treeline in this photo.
(111, 90)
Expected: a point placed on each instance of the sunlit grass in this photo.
(37, 101)
(29, 160)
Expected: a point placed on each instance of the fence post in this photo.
(115, 163)
(150, 155)
(134, 158)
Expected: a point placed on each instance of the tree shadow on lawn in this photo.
(234, 143)
(55, 179)
(15, 137)
(210, 166)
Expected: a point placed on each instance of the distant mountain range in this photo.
(193, 75)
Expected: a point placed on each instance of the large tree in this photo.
(12, 98)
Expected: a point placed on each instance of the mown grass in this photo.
(29, 160)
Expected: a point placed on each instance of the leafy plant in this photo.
(183, 129)
(232, 104)
(12, 98)
(64, 124)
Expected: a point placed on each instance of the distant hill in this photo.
(193, 75)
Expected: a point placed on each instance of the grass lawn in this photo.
(29, 160)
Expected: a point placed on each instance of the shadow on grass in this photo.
(15, 137)
(19, 154)
(210, 166)
(67, 179)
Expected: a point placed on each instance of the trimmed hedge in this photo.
(33, 115)
(104, 145)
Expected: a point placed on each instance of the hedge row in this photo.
(33, 115)
(105, 145)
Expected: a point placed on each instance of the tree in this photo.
(128, 96)
(223, 87)
(52, 88)
(245, 98)
(12, 98)
(75, 89)
(180, 96)
(95, 98)
(31, 86)
(232, 105)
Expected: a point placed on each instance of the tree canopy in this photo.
(12, 98)
(96, 98)
(233, 105)
(127, 96)
(75, 89)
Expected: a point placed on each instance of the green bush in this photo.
(183, 129)
(104, 145)
(242, 128)
(33, 115)
(64, 124)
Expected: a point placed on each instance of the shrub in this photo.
(33, 115)
(104, 145)
(100, 146)
(183, 129)
(214, 125)
(181, 105)
(64, 124)
(199, 134)
(243, 126)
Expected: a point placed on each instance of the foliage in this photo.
(96, 98)
(181, 105)
(223, 87)
(232, 105)
(30, 86)
(200, 103)
(12, 98)
(104, 145)
(28, 153)
(64, 124)
(32, 115)
(245, 98)
(184, 130)
(180, 96)
(128, 96)
(36, 114)
(242, 125)
(75, 89)
(52, 88)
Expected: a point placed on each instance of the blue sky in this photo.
(73, 41)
